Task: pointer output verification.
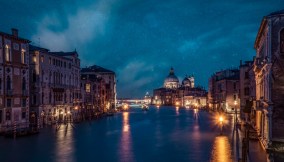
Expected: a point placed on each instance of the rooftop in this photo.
(96, 68)
(280, 12)
(35, 48)
(11, 36)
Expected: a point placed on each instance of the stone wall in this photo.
(277, 90)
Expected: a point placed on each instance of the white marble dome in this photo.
(171, 80)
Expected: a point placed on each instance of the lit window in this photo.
(88, 88)
(34, 59)
(7, 53)
(23, 56)
(41, 58)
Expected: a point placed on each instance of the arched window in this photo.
(54, 77)
(34, 76)
(8, 83)
(7, 53)
(23, 56)
(24, 84)
(50, 76)
(282, 41)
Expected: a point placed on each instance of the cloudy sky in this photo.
(141, 39)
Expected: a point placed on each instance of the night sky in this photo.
(141, 39)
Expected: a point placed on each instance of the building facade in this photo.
(93, 90)
(55, 85)
(224, 91)
(109, 79)
(14, 84)
(269, 77)
(246, 90)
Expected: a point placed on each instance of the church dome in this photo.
(171, 80)
(186, 81)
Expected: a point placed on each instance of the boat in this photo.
(145, 107)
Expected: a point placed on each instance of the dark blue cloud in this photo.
(141, 40)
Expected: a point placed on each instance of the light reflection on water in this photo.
(221, 150)
(125, 146)
(64, 148)
(164, 134)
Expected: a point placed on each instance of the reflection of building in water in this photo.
(184, 94)
(221, 150)
(125, 151)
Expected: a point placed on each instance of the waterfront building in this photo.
(54, 85)
(247, 90)
(109, 78)
(147, 98)
(14, 81)
(93, 90)
(224, 91)
(184, 94)
(269, 72)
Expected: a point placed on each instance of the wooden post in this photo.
(38, 123)
(15, 129)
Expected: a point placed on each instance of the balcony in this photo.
(259, 63)
(58, 102)
(257, 105)
(60, 86)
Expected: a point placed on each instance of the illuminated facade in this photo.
(268, 69)
(55, 84)
(109, 78)
(171, 81)
(93, 90)
(175, 94)
(14, 81)
(224, 91)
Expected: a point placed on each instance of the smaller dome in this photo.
(186, 81)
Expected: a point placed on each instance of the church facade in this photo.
(174, 93)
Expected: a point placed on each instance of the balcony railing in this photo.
(258, 105)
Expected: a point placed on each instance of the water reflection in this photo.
(177, 110)
(125, 151)
(221, 150)
(64, 149)
(195, 113)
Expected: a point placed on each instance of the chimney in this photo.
(15, 32)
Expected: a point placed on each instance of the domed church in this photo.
(171, 80)
(184, 94)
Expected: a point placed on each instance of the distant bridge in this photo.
(131, 102)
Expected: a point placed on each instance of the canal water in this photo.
(160, 134)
